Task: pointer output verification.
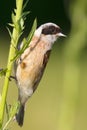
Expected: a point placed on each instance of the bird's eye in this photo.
(52, 30)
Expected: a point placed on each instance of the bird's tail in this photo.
(20, 115)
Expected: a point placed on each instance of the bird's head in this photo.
(50, 32)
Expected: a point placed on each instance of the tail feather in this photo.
(20, 115)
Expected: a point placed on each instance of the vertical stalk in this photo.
(14, 40)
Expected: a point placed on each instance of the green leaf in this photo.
(25, 4)
(3, 72)
(11, 113)
(13, 17)
(27, 41)
(30, 35)
(24, 14)
(10, 24)
(9, 32)
(32, 31)
(22, 19)
(21, 24)
(13, 110)
(15, 10)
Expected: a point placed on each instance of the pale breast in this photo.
(31, 68)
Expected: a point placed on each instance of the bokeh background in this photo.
(60, 102)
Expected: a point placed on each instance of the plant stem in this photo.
(14, 40)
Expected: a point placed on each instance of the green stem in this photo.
(14, 40)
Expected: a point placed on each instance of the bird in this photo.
(32, 63)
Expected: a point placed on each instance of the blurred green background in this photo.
(60, 102)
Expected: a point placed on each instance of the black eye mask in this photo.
(51, 30)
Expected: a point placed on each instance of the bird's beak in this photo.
(61, 35)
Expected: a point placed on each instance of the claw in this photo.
(12, 77)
